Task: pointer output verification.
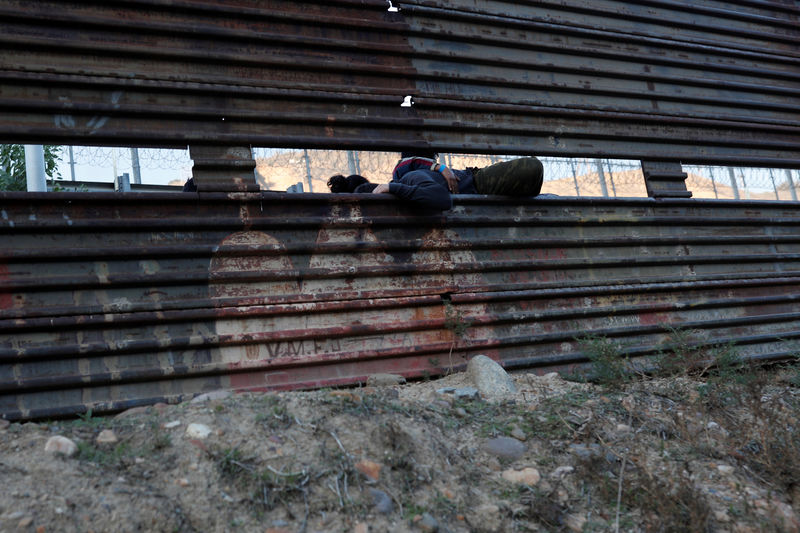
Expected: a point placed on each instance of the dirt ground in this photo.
(670, 454)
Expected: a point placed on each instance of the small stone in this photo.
(197, 431)
(446, 390)
(722, 516)
(527, 476)
(505, 448)
(460, 411)
(384, 380)
(442, 404)
(490, 378)
(466, 393)
(106, 436)
(346, 394)
(361, 527)
(369, 468)
(725, 469)
(585, 452)
(562, 471)
(62, 445)
(25, 522)
(428, 523)
(183, 482)
(173, 424)
(518, 434)
(41, 529)
(213, 395)
(624, 429)
(382, 502)
(575, 522)
(4, 424)
(629, 403)
(552, 376)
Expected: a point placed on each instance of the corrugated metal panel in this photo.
(109, 301)
(706, 81)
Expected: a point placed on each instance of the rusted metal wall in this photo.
(110, 301)
(692, 81)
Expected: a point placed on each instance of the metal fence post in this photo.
(34, 168)
(308, 169)
(71, 164)
(601, 177)
(733, 183)
(791, 184)
(137, 174)
(575, 178)
(122, 183)
(713, 182)
(611, 178)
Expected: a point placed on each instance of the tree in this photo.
(12, 165)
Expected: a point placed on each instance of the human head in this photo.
(339, 183)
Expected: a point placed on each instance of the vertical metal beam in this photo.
(713, 181)
(575, 178)
(308, 170)
(611, 178)
(774, 187)
(733, 183)
(351, 162)
(71, 164)
(791, 184)
(34, 168)
(122, 183)
(601, 177)
(137, 174)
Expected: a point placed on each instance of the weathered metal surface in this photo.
(711, 81)
(109, 301)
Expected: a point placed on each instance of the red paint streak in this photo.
(6, 300)
(651, 319)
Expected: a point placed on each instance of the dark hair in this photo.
(427, 154)
(365, 188)
(339, 183)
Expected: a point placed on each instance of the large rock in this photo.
(505, 448)
(489, 377)
(61, 445)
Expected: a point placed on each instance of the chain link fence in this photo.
(309, 170)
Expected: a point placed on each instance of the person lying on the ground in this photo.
(516, 177)
(415, 188)
(419, 179)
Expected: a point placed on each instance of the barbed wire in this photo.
(279, 169)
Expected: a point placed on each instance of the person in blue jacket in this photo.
(419, 179)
